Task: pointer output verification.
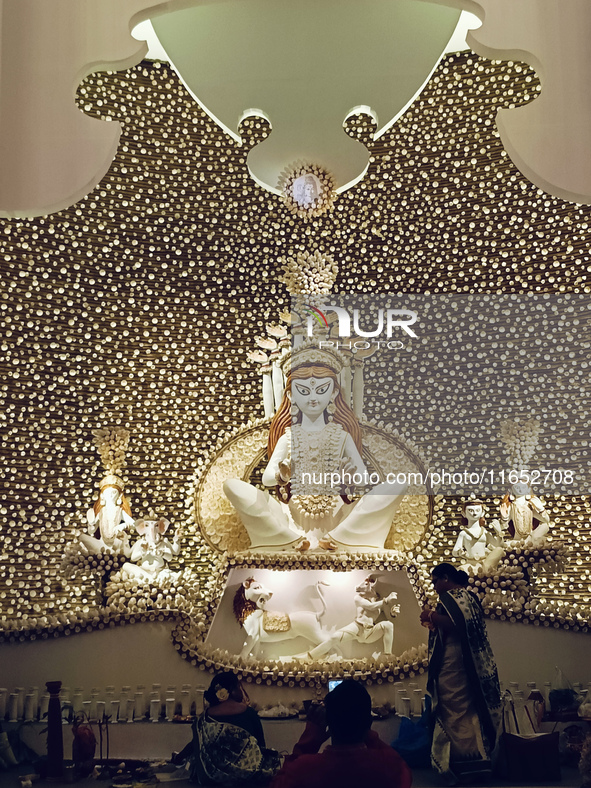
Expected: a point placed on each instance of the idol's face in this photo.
(474, 511)
(520, 488)
(312, 395)
(110, 495)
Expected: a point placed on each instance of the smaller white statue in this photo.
(265, 626)
(476, 544)
(524, 515)
(108, 520)
(365, 628)
(151, 553)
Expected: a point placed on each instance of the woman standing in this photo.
(463, 680)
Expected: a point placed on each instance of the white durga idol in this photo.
(314, 443)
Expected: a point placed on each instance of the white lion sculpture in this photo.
(264, 626)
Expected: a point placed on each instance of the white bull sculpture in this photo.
(264, 626)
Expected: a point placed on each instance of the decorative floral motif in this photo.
(520, 441)
(308, 273)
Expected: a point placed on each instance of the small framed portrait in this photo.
(308, 190)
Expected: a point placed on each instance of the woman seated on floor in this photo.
(228, 741)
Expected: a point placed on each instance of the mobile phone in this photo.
(332, 683)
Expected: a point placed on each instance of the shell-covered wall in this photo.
(136, 306)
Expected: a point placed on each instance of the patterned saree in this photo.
(227, 754)
(464, 685)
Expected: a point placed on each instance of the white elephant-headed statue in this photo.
(150, 554)
(108, 519)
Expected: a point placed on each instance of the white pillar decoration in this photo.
(13, 707)
(358, 389)
(278, 382)
(346, 384)
(268, 398)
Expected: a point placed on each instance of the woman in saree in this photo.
(228, 745)
(463, 680)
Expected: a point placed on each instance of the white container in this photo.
(185, 703)
(126, 711)
(65, 695)
(86, 709)
(20, 712)
(100, 710)
(199, 691)
(35, 692)
(417, 702)
(139, 706)
(170, 704)
(156, 693)
(141, 712)
(13, 707)
(125, 693)
(398, 703)
(30, 707)
(3, 701)
(113, 710)
(43, 706)
(77, 701)
(154, 709)
(93, 701)
(406, 706)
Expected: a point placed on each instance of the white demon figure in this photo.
(365, 628)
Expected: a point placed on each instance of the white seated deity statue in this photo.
(478, 545)
(151, 553)
(524, 515)
(315, 460)
(108, 520)
(365, 628)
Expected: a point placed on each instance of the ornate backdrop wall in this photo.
(136, 307)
